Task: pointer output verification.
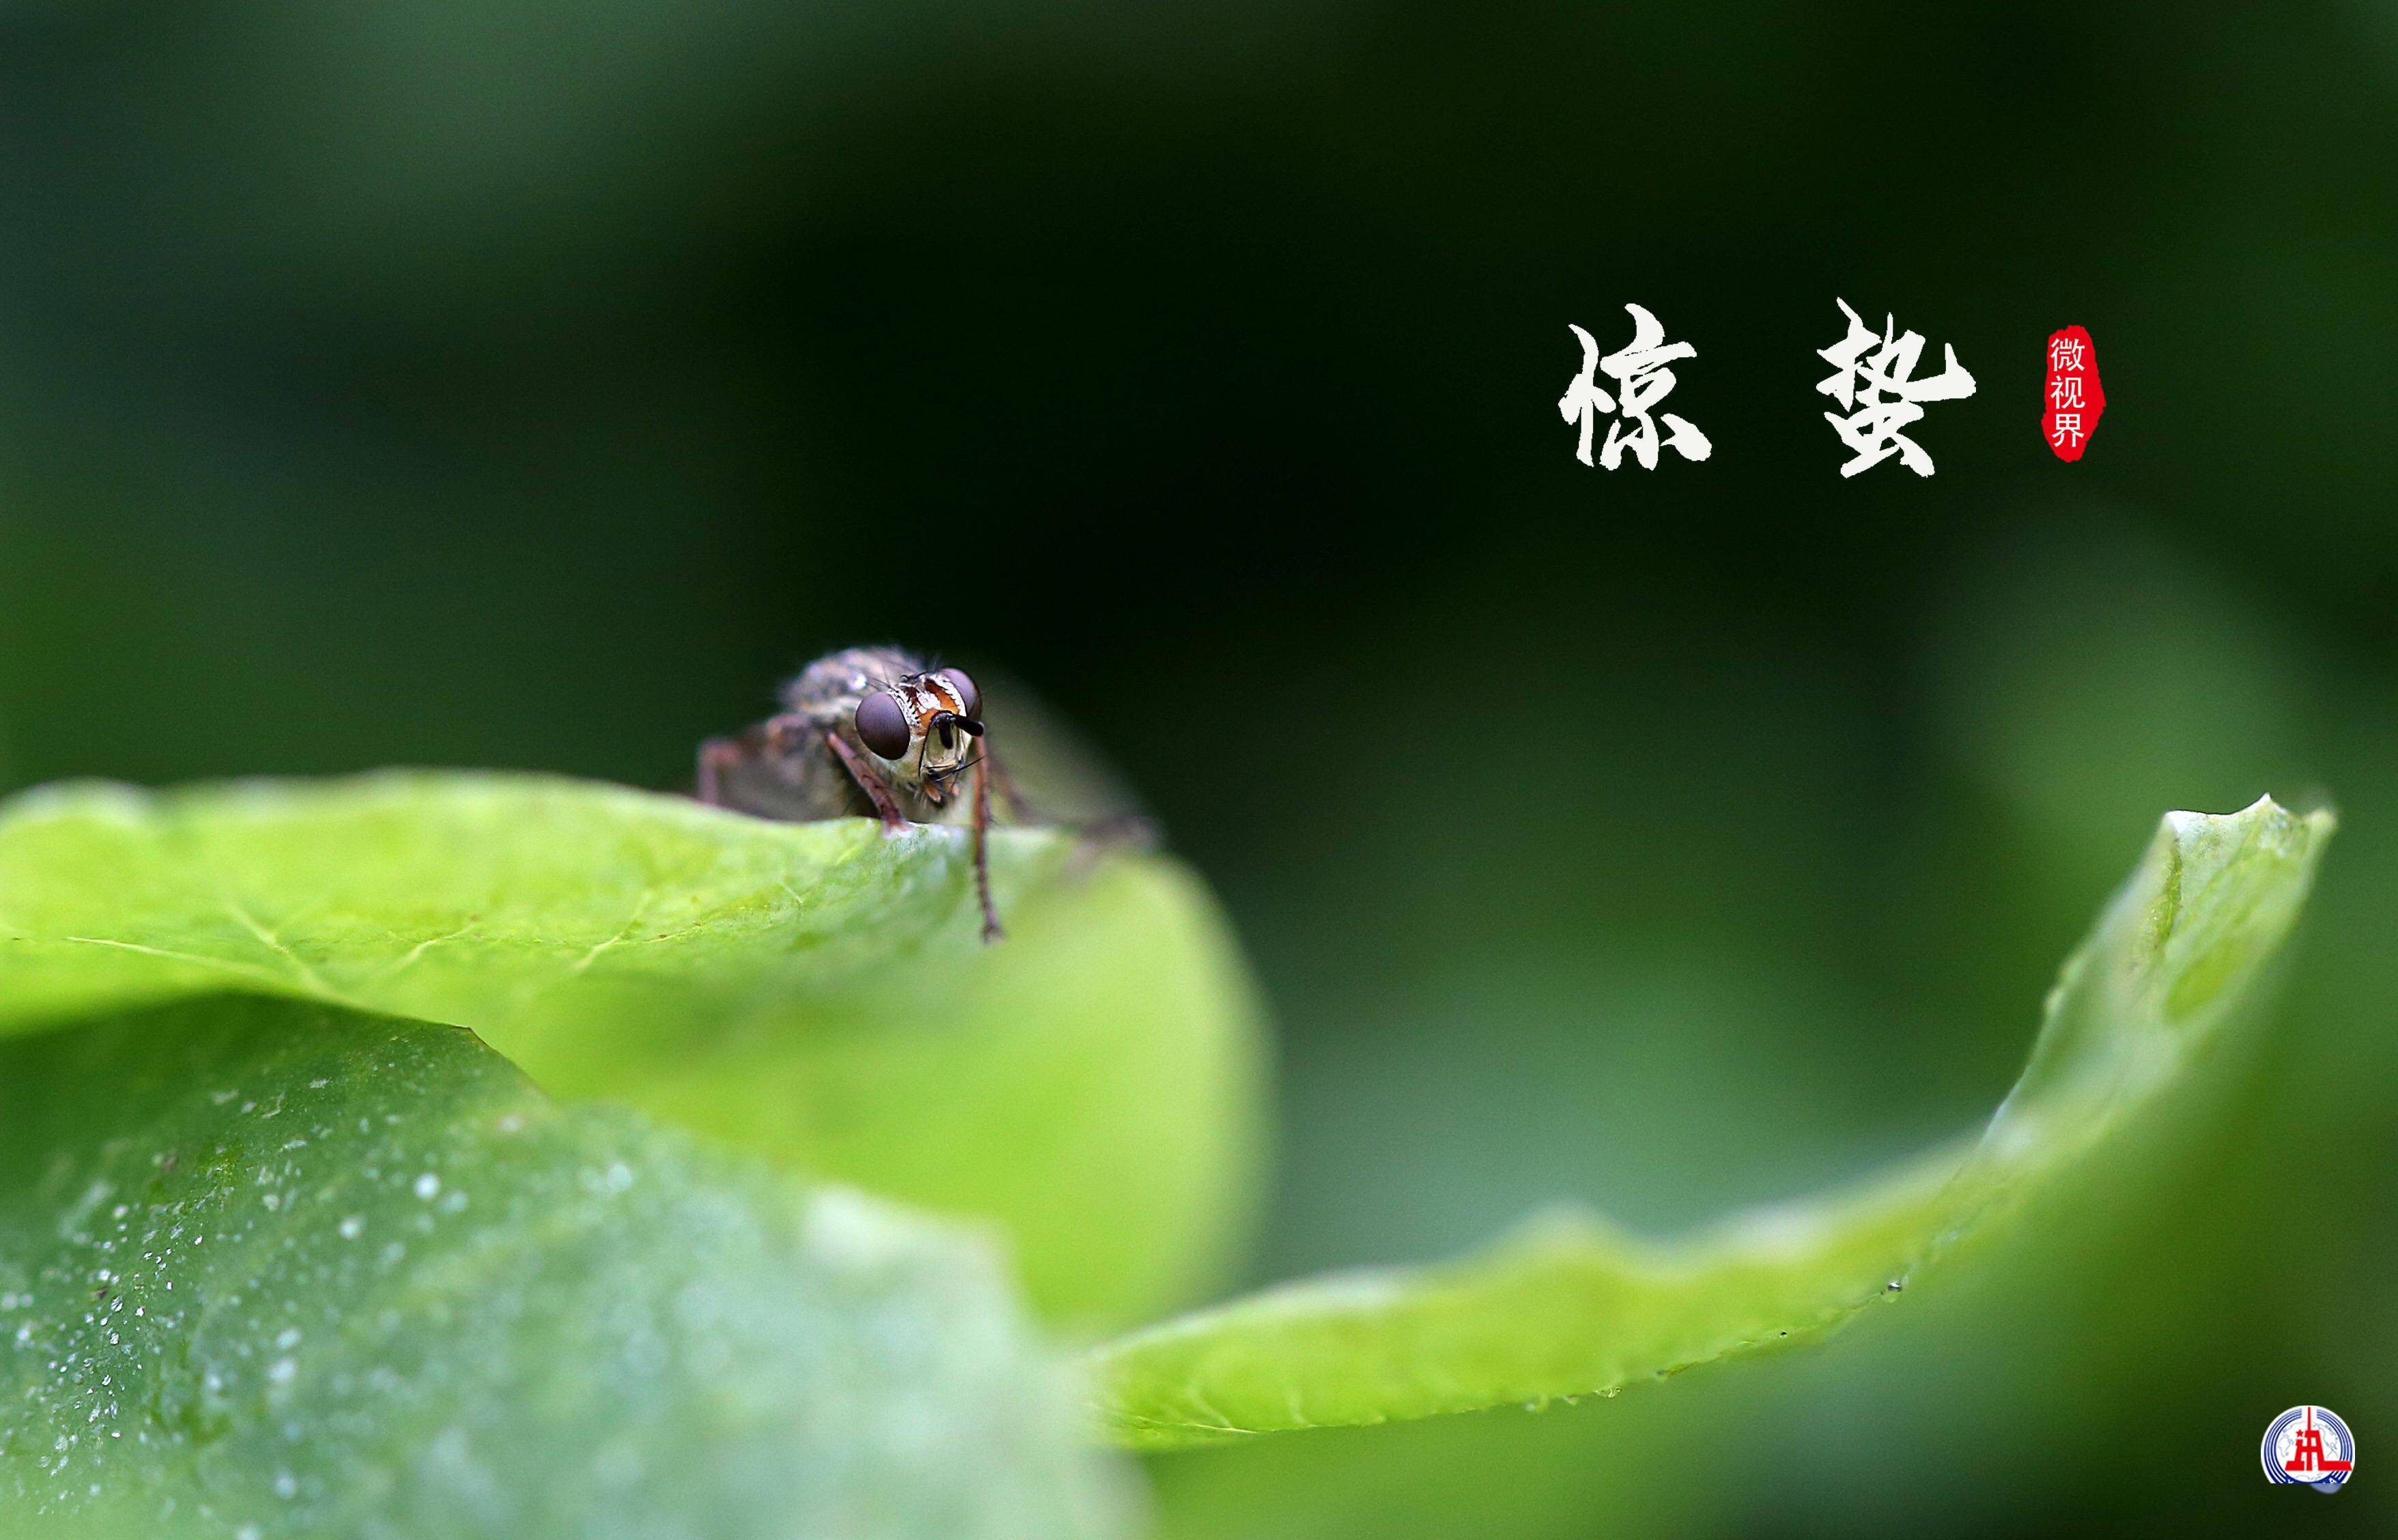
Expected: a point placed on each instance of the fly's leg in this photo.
(1019, 807)
(894, 820)
(1092, 839)
(991, 930)
(1118, 828)
(713, 756)
(868, 781)
(776, 735)
(719, 755)
(1095, 840)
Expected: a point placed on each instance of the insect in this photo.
(875, 732)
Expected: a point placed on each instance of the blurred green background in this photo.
(504, 384)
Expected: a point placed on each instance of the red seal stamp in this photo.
(2071, 401)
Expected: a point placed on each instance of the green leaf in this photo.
(1572, 1305)
(813, 993)
(269, 1267)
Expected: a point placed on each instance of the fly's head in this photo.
(923, 729)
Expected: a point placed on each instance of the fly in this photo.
(874, 732)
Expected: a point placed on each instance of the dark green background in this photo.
(484, 383)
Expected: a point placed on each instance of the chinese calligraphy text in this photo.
(1641, 382)
(1872, 382)
(2071, 399)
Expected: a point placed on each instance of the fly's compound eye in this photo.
(969, 698)
(881, 726)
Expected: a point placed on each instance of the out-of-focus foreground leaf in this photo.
(816, 993)
(269, 1267)
(1573, 1307)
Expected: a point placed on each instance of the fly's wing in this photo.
(802, 786)
(1057, 776)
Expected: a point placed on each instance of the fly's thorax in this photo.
(829, 689)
